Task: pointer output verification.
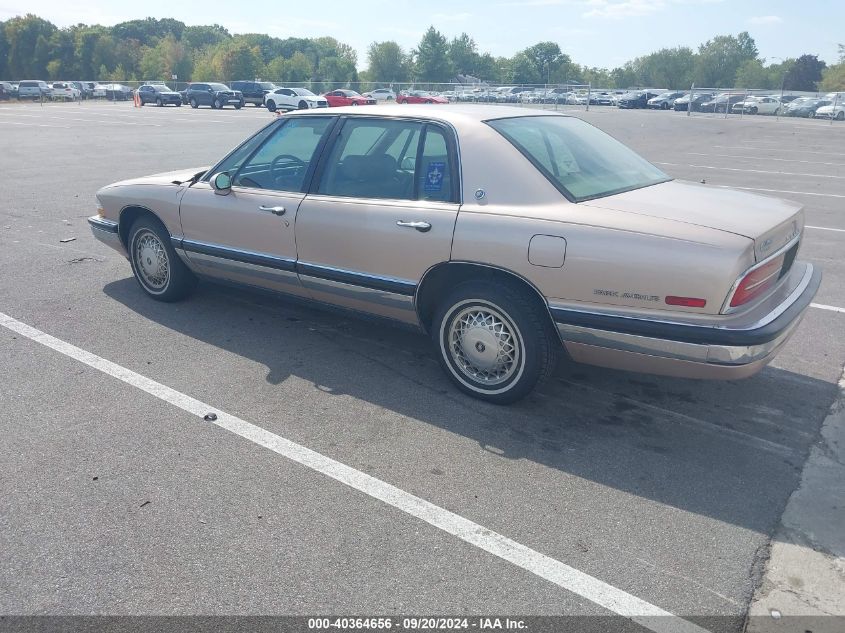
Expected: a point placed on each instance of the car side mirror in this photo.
(221, 183)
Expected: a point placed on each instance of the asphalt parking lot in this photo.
(114, 501)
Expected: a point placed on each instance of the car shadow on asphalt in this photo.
(728, 450)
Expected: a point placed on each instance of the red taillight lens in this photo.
(689, 302)
(757, 282)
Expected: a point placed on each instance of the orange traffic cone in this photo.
(137, 99)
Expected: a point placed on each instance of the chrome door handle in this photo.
(422, 227)
(273, 210)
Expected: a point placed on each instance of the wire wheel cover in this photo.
(484, 345)
(151, 260)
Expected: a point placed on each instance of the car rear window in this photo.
(580, 160)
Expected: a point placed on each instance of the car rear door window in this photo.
(368, 160)
(283, 161)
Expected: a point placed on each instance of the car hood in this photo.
(750, 215)
(165, 178)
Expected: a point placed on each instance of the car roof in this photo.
(455, 114)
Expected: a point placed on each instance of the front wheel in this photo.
(271, 106)
(664, 106)
(157, 267)
(303, 105)
(217, 105)
(841, 116)
(238, 106)
(494, 341)
(159, 102)
(194, 104)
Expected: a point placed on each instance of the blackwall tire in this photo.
(159, 271)
(493, 340)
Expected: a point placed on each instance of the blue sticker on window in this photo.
(434, 177)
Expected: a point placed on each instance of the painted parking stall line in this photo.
(822, 306)
(799, 193)
(823, 228)
(754, 171)
(607, 596)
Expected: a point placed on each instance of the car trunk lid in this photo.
(770, 222)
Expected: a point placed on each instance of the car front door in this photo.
(380, 213)
(246, 233)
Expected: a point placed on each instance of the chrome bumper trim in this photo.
(106, 231)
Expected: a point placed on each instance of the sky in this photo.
(603, 33)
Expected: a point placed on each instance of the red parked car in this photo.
(420, 96)
(347, 97)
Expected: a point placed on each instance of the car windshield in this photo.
(350, 93)
(266, 85)
(218, 87)
(303, 92)
(580, 160)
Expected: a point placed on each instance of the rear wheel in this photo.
(494, 341)
(159, 102)
(157, 267)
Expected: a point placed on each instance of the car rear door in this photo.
(246, 234)
(380, 213)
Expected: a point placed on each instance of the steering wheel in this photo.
(290, 160)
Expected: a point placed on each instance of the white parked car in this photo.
(98, 91)
(65, 91)
(831, 112)
(381, 94)
(758, 105)
(293, 99)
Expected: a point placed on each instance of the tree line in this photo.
(156, 49)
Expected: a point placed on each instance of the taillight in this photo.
(757, 281)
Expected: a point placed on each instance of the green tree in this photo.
(28, 45)
(168, 57)
(804, 74)
(463, 55)
(298, 68)
(237, 60)
(149, 30)
(4, 49)
(833, 78)
(524, 70)
(431, 61)
(752, 74)
(719, 59)
(387, 62)
(196, 38)
(336, 70)
(547, 59)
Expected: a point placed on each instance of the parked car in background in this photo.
(603, 99)
(84, 91)
(419, 96)
(831, 111)
(682, 104)
(757, 105)
(665, 100)
(787, 98)
(65, 91)
(254, 91)
(636, 98)
(721, 103)
(381, 94)
(337, 98)
(34, 89)
(6, 91)
(599, 251)
(805, 106)
(159, 94)
(216, 96)
(293, 99)
(98, 91)
(117, 92)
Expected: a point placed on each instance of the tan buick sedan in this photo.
(505, 233)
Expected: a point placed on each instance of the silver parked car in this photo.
(501, 232)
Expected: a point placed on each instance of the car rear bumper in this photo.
(107, 232)
(687, 350)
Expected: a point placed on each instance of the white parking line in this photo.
(754, 171)
(562, 575)
(761, 157)
(822, 306)
(778, 148)
(802, 193)
(823, 228)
